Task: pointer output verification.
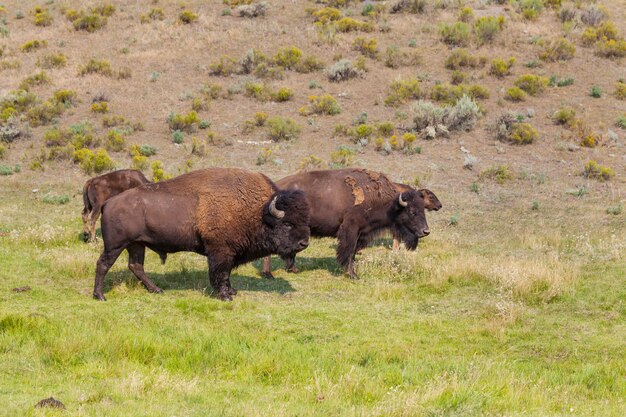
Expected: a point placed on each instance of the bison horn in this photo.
(279, 214)
(401, 201)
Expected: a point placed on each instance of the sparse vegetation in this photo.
(341, 71)
(486, 28)
(282, 129)
(324, 104)
(499, 173)
(532, 84)
(597, 171)
(54, 60)
(401, 91)
(433, 120)
(33, 45)
(184, 122)
(559, 50)
(187, 17)
(455, 34)
(501, 68)
(460, 58)
(509, 129)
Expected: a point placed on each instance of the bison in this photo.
(355, 205)
(97, 190)
(229, 215)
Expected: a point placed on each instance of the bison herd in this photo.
(233, 216)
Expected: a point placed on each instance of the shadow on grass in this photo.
(197, 280)
(304, 264)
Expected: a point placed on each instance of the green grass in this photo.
(521, 318)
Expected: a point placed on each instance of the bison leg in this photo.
(348, 237)
(290, 264)
(86, 215)
(396, 244)
(105, 262)
(219, 277)
(136, 255)
(95, 214)
(267, 268)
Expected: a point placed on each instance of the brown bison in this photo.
(229, 215)
(355, 205)
(97, 190)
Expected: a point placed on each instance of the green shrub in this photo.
(597, 171)
(564, 116)
(368, 47)
(158, 173)
(611, 48)
(500, 173)
(515, 94)
(115, 141)
(56, 60)
(456, 34)
(620, 90)
(178, 137)
(385, 129)
(44, 113)
(595, 92)
(558, 50)
(341, 71)
(361, 133)
(433, 120)
(532, 84)
(187, 16)
(42, 16)
(93, 162)
(466, 14)
(282, 129)
(3, 151)
(95, 66)
(100, 107)
(326, 15)
(461, 58)
(9, 170)
(500, 67)
(283, 94)
(89, 22)
(486, 28)
(40, 78)
(324, 104)
(605, 31)
(288, 57)
(33, 45)
(531, 9)
(224, 67)
(185, 122)
(401, 91)
(458, 77)
(621, 121)
(522, 134)
(451, 93)
(342, 157)
(348, 24)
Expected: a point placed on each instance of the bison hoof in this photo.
(267, 275)
(156, 290)
(85, 237)
(353, 275)
(99, 297)
(224, 296)
(293, 269)
(232, 291)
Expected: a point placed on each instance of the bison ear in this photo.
(431, 202)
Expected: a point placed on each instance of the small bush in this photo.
(451, 93)
(94, 66)
(515, 94)
(564, 116)
(178, 137)
(621, 121)
(456, 34)
(198, 147)
(324, 104)
(224, 67)
(93, 162)
(532, 84)
(606, 31)
(310, 162)
(593, 15)
(341, 71)
(50, 61)
(9, 170)
(461, 58)
(466, 14)
(620, 90)
(187, 17)
(287, 58)
(500, 174)
(115, 141)
(342, 157)
(252, 10)
(361, 133)
(89, 22)
(597, 171)
(33, 45)
(3, 151)
(435, 120)
(264, 156)
(158, 173)
(326, 15)
(458, 77)
(100, 107)
(368, 47)
(44, 113)
(531, 9)
(42, 17)
(558, 50)
(611, 48)
(396, 58)
(156, 13)
(595, 92)
(409, 6)
(282, 129)
(186, 123)
(401, 91)
(348, 24)
(500, 67)
(486, 28)
(522, 134)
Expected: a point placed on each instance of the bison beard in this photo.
(229, 215)
(409, 238)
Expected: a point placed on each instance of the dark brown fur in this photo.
(221, 213)
(97, 190)
(355, 205)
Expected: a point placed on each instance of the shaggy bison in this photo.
(229, 215)
(97, 190)
(355, 205)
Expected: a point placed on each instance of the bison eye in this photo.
(288, 226)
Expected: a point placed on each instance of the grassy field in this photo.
(510, 319)
(514, 305)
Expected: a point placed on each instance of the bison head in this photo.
(286, 216)
(408, 218)
(431, 202)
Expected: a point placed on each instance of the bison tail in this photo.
(163, 257)
(86, 201)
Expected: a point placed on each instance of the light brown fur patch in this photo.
(357, 192)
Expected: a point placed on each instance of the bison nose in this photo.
(303, 244)
(425, 232)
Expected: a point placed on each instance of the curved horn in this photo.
(279, 214)
(401, 201)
